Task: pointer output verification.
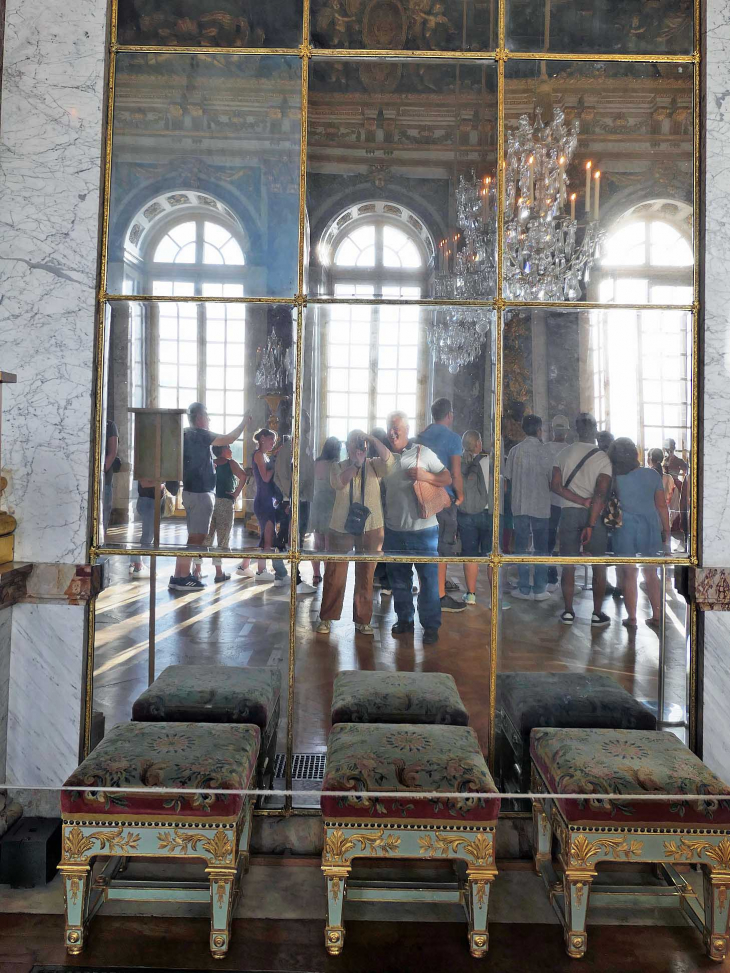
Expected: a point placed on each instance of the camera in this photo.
(361, 443)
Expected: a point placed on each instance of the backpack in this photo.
(476, 492)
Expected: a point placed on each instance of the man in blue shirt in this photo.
(443, 441)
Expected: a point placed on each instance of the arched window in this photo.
(200, 348)
(647, 259)
(375, 356)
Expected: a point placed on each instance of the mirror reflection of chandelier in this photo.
(467, 271)
(543, 260)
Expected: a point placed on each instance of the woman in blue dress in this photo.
(267, 494)
(644, 529)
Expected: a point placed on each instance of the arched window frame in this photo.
(384, 360)
(659, 393)
(204, 343)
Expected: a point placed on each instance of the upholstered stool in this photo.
(561, 699)
(397, 697)
(218, 694)
(665, 831)
(366, 760)
(140, 822)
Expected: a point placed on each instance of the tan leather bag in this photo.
(431, 499)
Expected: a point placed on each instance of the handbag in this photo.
(611, 515)
(430, 499)
(358, 513)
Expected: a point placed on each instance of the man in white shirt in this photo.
(561, 428)
(528, 468)
(582, 477)
(406, 532)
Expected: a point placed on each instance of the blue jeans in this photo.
(538, 527)
(400, 575)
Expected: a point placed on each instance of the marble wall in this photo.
(50, 171)
(44, 698)
(716, 737)
(715, 444)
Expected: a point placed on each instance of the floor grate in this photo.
(306, 766)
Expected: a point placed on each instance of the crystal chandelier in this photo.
(543, 260)
(467, 270)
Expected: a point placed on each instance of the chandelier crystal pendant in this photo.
(543, 260)
(467, 271)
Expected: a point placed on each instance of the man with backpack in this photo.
(582, 476)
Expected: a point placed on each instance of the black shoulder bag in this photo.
(579, 465)
(358, 513)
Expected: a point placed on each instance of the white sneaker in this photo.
(281, 582)
(246, 572)
(364, 629)
(305, 589)
(543, 596)
(262, 576)
(519, 594)
(142, 572)
(323, 626)
(553, 587)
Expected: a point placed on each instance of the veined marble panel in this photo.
(716, 725)
(715, 520)
(6, 622)
(44, 711)
(50, 169)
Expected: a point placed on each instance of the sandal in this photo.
(567, 617)
(630, 623)
(655, 623)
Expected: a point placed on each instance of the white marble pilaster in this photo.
(715, 445)
(716, 690)
(50, 170)
(6, 621)
(44, 709)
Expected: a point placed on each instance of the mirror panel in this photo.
(205, 174)
(401, 159)
(627, 667)
(631, 373)
(599, 182)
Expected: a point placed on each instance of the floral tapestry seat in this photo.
(634, 808)
(397, 697)
(626, 762)
(218, 694)
(434, 774)
(134, 819)
(526, 700)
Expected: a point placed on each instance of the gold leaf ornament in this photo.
(76, 844)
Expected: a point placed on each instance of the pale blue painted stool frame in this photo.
(470, 843)
(223, 847)
(583, 848)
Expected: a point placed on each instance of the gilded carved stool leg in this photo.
(478, 883)
(542, 834)
(576, 889)
(717, 911)
(76, 885)
(334, 933)
(221, 901)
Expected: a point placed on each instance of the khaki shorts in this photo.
(570, 528)
(198, 511)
